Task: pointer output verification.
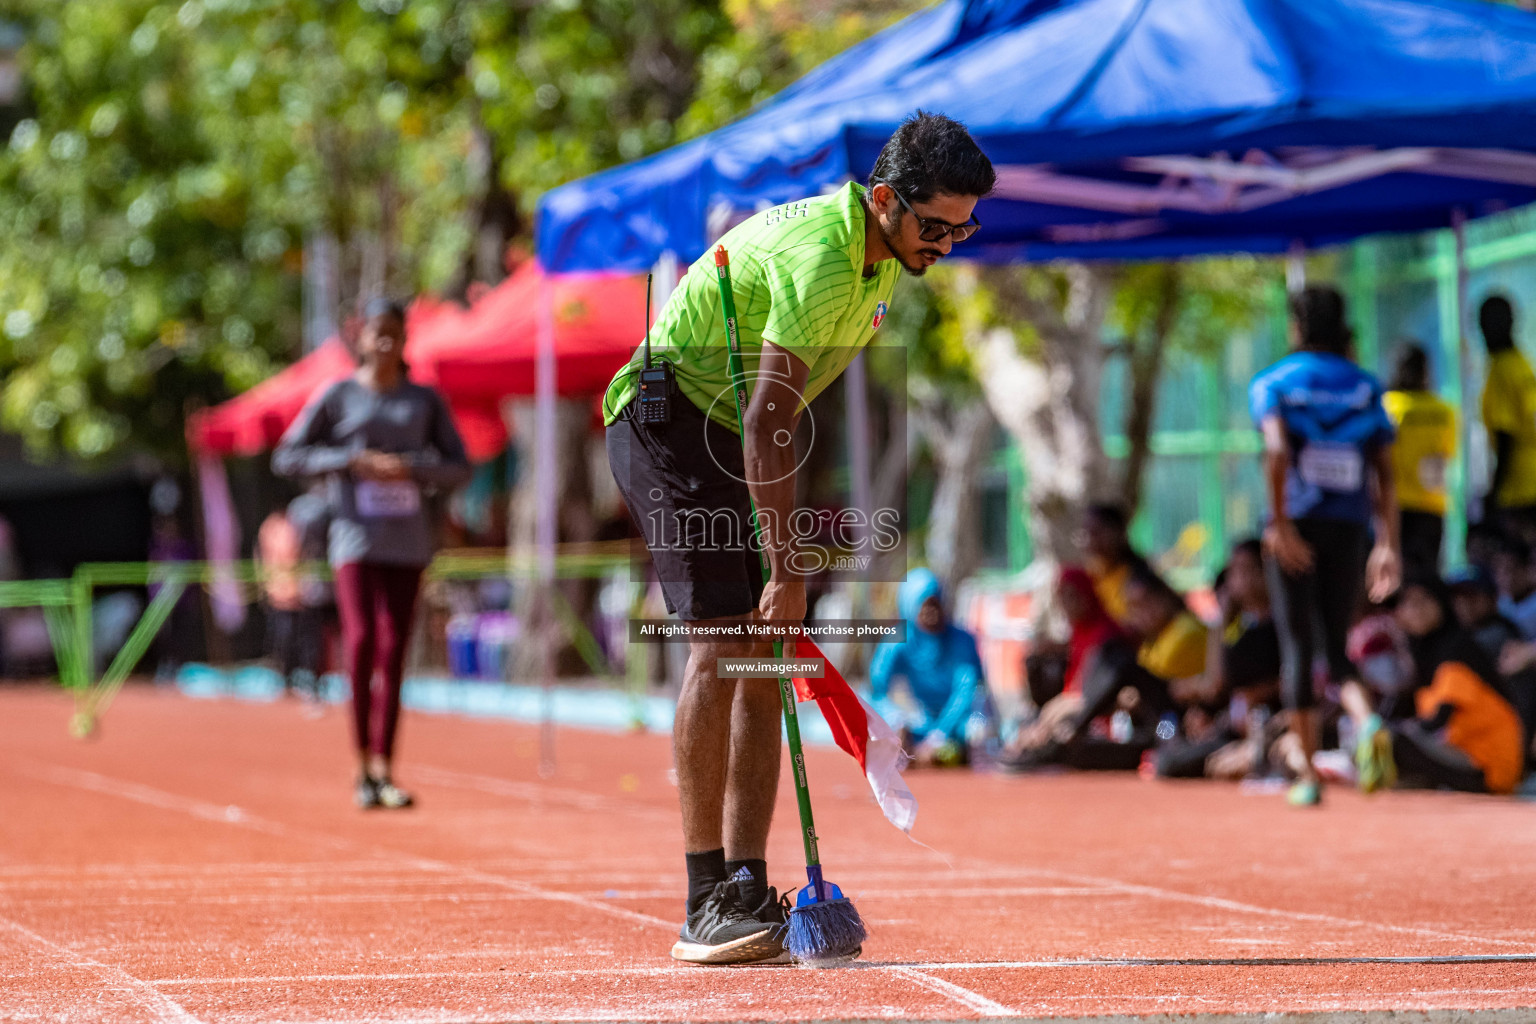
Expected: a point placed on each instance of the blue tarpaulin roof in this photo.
(1122, 129)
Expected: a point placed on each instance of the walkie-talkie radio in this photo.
(656, 382)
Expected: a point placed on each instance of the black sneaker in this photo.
(724, 931)
(367, 792)
(774, 912)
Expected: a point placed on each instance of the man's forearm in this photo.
(770, 470)
(768, 451)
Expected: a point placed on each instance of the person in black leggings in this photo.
(1328, 474)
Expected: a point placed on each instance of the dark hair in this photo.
(1143, 575)
(1496, 319)
(1250, 546)
(1410, 370)
(1111, 516)
(932, 154)
(383, 306)
(1515, 547)
(1318, 311)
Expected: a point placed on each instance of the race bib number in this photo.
(387, 499)
(1331, 467)
(1432, 473)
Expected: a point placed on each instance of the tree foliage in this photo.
(176, 156)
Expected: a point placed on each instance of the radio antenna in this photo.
(647, 321)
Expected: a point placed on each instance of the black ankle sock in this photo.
(705, 871)
(755, 890)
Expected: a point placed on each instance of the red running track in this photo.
(200, 860)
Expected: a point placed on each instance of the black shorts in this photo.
(686, 490)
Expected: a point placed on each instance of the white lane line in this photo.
(856, 891)
(162, 1008)
(964, 996)
(241, 818)
(1221, 903)
(40, 873)
(904, 969)
(171, 895)
(538, 793)
(223, 814)
(1463, 959)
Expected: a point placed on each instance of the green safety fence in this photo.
(67, 606)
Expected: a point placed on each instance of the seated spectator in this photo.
(941, 668)
(1379, 647)
(1478, 609)
(1517, 584)
(1483, 541)
(1475, 598)
(1466, 736)
(1229, 705)
(1101, 666)
(1173, 640)
(1109, 557)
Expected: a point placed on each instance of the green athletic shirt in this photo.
(797, 273)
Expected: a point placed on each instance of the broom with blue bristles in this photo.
(824, 926)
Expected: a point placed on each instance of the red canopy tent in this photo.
(475, 357)
(491, 351)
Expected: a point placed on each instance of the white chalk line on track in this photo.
(1222, 903)
(178, 897)
(239, 817)
(970, 1000)
(679, 971)
(162, 1008)
(539, 793)
(109, 872)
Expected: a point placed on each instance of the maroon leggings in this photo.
(376, 603)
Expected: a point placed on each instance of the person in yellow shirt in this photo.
(1173, 640)
(1108, 557)
(1509, 414)
(1426, 443)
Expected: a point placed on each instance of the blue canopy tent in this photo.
(1122, 129)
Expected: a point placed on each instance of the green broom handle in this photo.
(786, 688)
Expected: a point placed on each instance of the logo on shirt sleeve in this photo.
(879, 318)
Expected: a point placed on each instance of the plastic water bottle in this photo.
(462, 639)
(1120, 726)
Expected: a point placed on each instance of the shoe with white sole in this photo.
(724, 931)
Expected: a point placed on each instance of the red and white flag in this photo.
(861, 732)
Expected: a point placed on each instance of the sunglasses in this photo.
(931, 230)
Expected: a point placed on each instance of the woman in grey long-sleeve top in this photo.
(378, 440)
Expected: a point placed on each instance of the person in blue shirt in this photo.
(941, 667)
(1328, 475)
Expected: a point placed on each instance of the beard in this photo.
(911, 262)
